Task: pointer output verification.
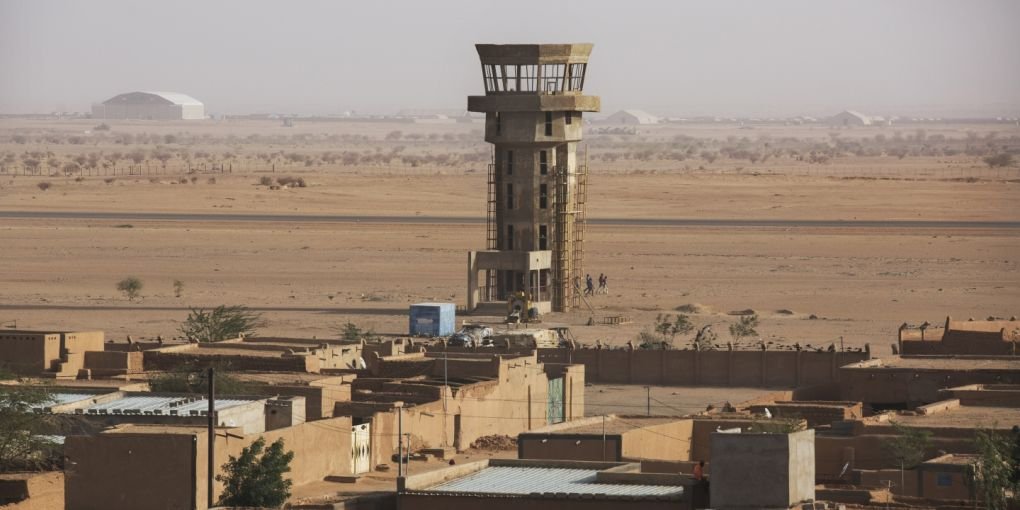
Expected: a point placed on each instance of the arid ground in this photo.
(809, 284)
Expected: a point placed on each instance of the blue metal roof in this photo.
(532, 480)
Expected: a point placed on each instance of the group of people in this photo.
(590, 290)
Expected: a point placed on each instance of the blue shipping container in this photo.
(433, 319)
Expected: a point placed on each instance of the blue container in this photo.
(433, 319)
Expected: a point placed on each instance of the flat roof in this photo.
(613, 425)
(522, 480)
(144, 428)
(287, 378)
(941, 363)
(963, 416)
(954, 458)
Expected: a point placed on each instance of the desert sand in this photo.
(811, 285)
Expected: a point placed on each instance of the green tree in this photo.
(130, 286)
(744, 328)
(194, 379)
(908, 447)
(22, 443)
(351, 332)
(992, 476)
(669, 327)
(221, 323)
(255, 478)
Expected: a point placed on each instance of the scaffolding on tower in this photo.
(580, 222)
(491, 230)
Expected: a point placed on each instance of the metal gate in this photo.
(556, 404)
(361, 448)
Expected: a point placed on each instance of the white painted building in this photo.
(631, 117)
(150, 106)
(848, 118)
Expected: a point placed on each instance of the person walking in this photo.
(590, 286)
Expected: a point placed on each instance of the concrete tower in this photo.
(533, 102)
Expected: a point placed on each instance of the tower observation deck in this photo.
(533, 104)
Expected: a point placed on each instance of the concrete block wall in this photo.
(157, 360)
(706, 368)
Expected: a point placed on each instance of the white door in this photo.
(361, 449)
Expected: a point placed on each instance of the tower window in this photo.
(552, 77)
(509, 196)
(499, 124)
(509, 237)
(548, 123)
(543, 237)
(543, 196)
(568, 117)
(509, 162)
(543, 162)
(577, 76)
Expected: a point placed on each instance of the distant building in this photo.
(997, 337)
(756, 470)
(632, 117)
(847, 118)
(150, 106)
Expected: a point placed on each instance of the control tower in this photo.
(537, 185)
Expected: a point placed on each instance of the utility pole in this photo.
(211, 434)
(400, 444)
(446, 387)
(648, 400)
(603, 438)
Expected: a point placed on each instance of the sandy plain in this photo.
(859, 283)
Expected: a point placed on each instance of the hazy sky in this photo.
(752, 57)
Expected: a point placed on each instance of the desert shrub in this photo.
(293, 182)
(221, 323)
(744, 328)
(102, 127)
(265, 180)
(130, 286)
(1000, 160)
(211, 180)
(44, 185)
(109, 180)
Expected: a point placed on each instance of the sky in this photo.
(948, 58)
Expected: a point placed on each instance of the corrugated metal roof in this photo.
(176, 98)
(59, 398)
(531, 480)
(161, 405)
